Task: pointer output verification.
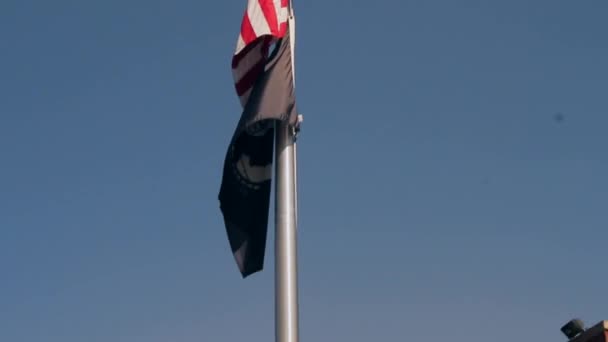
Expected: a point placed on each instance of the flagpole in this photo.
(286, 273)
(286, 266)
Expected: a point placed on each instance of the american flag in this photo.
(264, 22)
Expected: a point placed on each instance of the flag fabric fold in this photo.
(263, 76)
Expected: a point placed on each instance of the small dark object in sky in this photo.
(558, 117)
(573, 328)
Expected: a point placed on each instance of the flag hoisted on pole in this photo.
(263, 75)
(263, 70)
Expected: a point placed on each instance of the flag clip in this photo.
(297, 126)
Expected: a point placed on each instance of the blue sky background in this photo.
(439, 196)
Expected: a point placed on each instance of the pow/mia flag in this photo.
(245, 189)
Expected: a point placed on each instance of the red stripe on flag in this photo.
(283, 28)
(251, 76)
(247, 31)
(264, 41)
(271, 15)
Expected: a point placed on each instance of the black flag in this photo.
(245, 189)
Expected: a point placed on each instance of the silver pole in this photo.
(286, 242)
(286, 273)
(295, 179)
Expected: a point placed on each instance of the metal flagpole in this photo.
(286, 266)
(286, 276)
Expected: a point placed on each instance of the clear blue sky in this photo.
(440, 194)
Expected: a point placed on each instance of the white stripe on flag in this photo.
(257, 18)
(240, 45)
(283, 13)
